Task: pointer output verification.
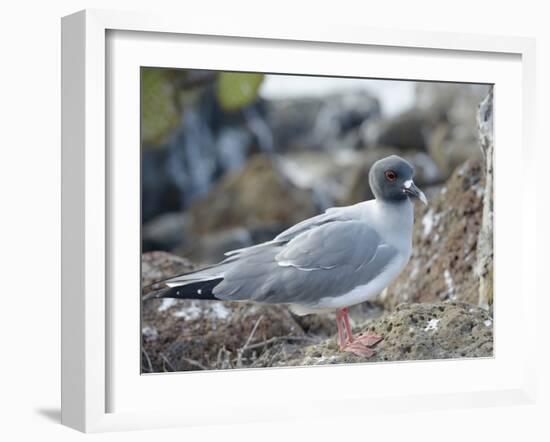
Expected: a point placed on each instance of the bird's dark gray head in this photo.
(391, 180)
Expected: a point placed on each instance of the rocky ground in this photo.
(415, 332)
(188, 334)
(181, 335)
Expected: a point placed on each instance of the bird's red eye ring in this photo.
(390, 175)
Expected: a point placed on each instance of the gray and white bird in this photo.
(343, 257)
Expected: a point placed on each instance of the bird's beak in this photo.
(410, 189)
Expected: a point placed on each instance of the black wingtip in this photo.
(195, 290)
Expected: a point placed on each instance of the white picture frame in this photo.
(89, 315)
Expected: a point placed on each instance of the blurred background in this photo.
(232, 159)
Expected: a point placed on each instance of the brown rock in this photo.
(403, 132)
(181, 335)
(258, 194)
(415, 332)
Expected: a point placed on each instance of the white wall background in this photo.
(30, 219)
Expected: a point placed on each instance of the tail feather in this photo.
(215, 271)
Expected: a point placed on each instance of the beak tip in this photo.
(411, 189)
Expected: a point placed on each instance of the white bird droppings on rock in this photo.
(149, 332)
(220, 311)
(432, 325)
(189, 313)
(323, 360)
(449, 282)
(166, 304)
(427, 223)
(488, 323)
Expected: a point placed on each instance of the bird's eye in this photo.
(391, 175)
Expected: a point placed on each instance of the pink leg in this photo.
(347, 325)
(342, 330)
(359, 346)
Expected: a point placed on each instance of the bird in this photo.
(327, 263)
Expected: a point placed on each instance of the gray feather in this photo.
(330, 215)
(325, 261)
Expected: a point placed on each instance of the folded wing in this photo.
(327, 260)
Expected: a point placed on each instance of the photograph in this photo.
(306, 220)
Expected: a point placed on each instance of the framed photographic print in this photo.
(257, 210)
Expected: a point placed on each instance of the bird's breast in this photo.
(368, 290)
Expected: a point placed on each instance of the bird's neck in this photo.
(395, 219)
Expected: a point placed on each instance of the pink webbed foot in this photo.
(370, 339)
(358, 349)
(360, 346)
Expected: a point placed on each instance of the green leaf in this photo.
(237, 89)
(159, 115)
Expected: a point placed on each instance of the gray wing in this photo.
(329, 246)
(260, 251)
(324, 261)
(330, 215)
